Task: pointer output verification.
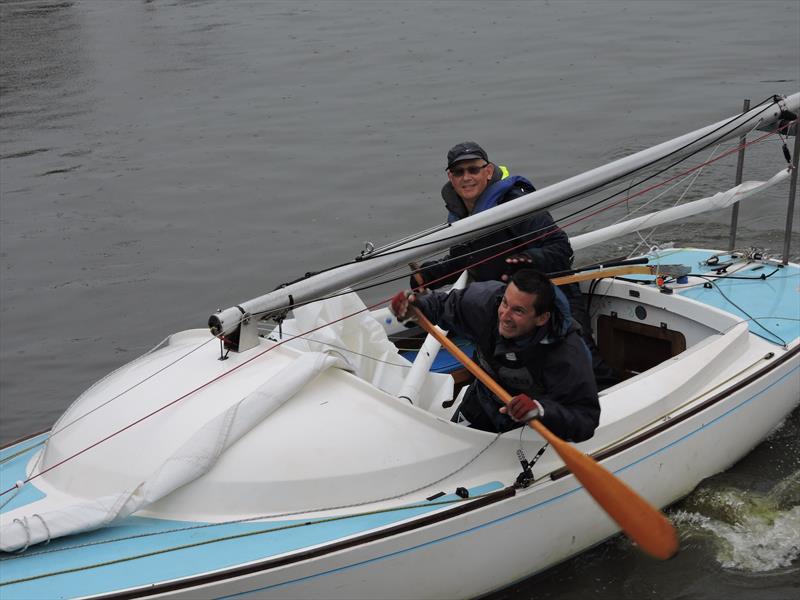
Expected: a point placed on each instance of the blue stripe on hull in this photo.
(157, 560)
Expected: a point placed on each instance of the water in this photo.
(162, 159)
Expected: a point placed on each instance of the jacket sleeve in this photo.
(442, 272)
(550, 250)
(571, 405)
(467, 312)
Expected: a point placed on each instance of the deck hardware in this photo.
(525, 478)
(462, 492)
(435, 496)
(663, 325)
(640, 312)
(634, 293)
(223, 352)
(369, 248)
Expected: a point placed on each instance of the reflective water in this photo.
(161, 159)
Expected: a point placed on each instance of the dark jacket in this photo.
(552, 366)
(549, 248)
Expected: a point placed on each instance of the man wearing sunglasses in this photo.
(525, 339)
(475, 184)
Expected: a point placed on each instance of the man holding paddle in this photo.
(525, 340)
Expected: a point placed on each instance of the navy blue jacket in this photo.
(553, 365)
(550, 252)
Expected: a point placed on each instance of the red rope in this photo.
(186, 395)
(380, 303)
(600, 210)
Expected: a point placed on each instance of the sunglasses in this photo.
(459, 171)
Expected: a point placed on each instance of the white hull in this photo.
(343, 444)
(258, 466)
(449, 559)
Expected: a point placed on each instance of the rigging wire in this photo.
(644, 239)
(547, 231)
(601, 186)
(266, 314)
(740, 309)
(56, 429)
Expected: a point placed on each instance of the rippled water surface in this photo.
(161, 159)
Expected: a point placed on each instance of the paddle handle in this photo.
(473, 367)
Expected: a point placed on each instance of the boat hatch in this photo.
(631, 347)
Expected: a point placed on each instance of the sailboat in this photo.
(296, 447)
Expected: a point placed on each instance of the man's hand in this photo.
(523, 408)
(417, 280)
(399, 304)
(516, 262)
(417, 283)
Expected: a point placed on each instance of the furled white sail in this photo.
(717, 201)
(351, 344)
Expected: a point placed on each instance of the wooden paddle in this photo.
(643, 523)
(602, 273)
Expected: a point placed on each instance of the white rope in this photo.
(44, 524)
(23, 522)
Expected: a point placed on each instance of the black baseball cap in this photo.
(465, 151)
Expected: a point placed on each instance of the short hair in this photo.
(535, 282)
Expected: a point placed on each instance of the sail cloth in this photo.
(352, 344)
(360, 340)
(717, 201)
(191, 460)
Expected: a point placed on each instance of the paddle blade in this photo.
(642, 522)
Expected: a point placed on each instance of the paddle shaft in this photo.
(600, 273)
(607, 272)
(643, 523)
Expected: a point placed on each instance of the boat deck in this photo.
(777, 292)
(140, 551)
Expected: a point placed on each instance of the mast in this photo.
(238, 323)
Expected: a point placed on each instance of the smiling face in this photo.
(470, 178)
(516, 315)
